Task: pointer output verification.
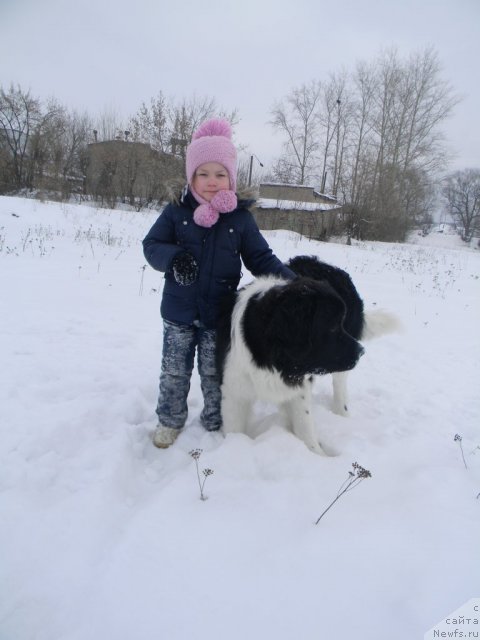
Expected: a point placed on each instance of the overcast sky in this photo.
(114, 54)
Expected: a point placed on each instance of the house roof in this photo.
(315, 191)
(273, 203)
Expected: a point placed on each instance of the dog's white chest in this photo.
(269, 386)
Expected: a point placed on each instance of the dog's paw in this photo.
(340, 410)
(316, 448)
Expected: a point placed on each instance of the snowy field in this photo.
(103, 537)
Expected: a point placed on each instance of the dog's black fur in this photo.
(275, 335)
(312, 267)
(297, 329)
(310, 325)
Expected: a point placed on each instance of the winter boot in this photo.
(164, 436)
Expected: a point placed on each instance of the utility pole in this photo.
(251, 167)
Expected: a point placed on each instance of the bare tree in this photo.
(20, 117)
(364, 88)
(335, 118)
(285, 171)
(76, 135)
(398, 141)
(461, 191)
(46, 147)
(167, 125)
(30, 135)
(109, 125)
(430, 102)
(151, 124)
(356, 171)
(297, 118)
(184, 117)
(375, 138)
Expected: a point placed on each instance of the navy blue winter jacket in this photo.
(218, 251)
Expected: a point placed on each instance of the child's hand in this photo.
(185, 269)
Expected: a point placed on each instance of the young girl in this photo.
(200, 243)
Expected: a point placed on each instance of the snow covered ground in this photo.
(103, 536)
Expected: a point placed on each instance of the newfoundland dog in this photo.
(275, 335)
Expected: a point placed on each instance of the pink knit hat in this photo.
(212, 142)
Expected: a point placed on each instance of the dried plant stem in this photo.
(200, 483)
(196, 453)
(140, 292)
(327, 509)
(458, 439)
(353, 480)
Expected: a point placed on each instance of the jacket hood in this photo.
(247, 196)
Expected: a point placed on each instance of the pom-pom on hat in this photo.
(212, 142)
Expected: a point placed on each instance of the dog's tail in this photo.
(379, 323)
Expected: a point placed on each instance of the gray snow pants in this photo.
(179, 345)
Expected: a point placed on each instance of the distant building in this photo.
(130, 171)
(297, 208)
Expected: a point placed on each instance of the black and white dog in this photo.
(276, 335)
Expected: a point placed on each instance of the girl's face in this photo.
(209, 179)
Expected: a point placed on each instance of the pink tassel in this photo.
(205, 215)
(224, 201)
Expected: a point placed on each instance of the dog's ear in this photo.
(303, 311)
(290, 331)
(293, 312)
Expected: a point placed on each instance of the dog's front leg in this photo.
(299, 413)
(236, 404)
(340, 398)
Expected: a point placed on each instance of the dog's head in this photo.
(340, 281)
(298, 329)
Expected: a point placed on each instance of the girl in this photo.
(199, 243)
